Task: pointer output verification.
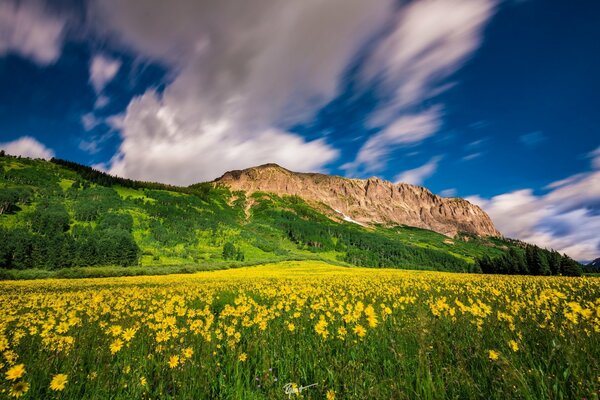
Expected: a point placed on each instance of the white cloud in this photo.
(429, 41)
(103, 69)
(94, 144)
(116, 122)
(567, 218)
(89, 121)
(27, 146)
(471, 156)
(30, 31)
(418, 175)
(450, 192)
(89, 146)
(476, 144)
(152, 133)
(595, 156)
(407, 129)
(101, 101)
(242, 74)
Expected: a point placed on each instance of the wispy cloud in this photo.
(476, 143)
(29, 30)
(450, 192)
(101, 101)
(595, 156)
(472, 156)
(89, 121)
(532, 139)
(95, 144)
(418, 175)
(429, 41)
(405, 130)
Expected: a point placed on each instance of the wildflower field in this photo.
(259, 332)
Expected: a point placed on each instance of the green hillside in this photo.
(62, 216)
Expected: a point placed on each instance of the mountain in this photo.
(594, 266)
(58, 216)
(367, 201)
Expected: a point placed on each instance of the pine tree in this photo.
(540, 263)
(555, 260)
(229, 251)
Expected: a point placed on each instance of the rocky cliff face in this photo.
(367, 201)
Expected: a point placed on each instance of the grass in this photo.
(130, 193)
(152, 268)
(65, 184)
(356, 333)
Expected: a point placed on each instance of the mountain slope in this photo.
(367, 201)
(58, 214)
(593, 266)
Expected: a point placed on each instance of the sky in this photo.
(494, 101)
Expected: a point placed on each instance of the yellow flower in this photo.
(291, 327)
(128, 334)
(15, 372)
(243, 357)
(58, 382)
(360, 330)
(116, 346)
(10, 356)
(493, 355)
(188, 352)
(173, 361)
(143, 381)
(19, 389)
(513, 345)
(115, 330)
(321, 327)
(330, 395)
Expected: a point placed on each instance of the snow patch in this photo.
(347, 218)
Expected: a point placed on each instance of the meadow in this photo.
(266, 332)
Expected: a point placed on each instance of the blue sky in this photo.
(491, 100)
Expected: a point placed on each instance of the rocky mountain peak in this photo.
(367, 201)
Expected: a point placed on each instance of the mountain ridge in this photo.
(367, 201)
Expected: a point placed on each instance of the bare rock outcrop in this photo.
(367, 201)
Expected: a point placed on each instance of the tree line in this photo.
(530, 260)
(203, 190)
(49, 243)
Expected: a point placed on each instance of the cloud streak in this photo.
(595, 156)
(532, 139)
(428, 42)
(27, 29)
(418, 175)
(408, 129)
